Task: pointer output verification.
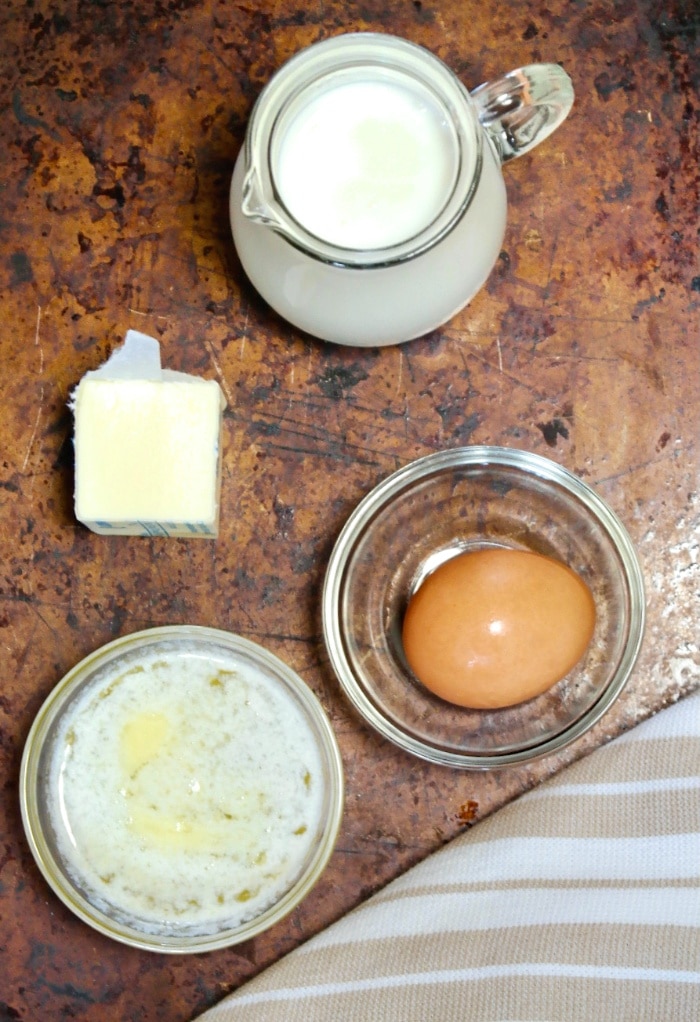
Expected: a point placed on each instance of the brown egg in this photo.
(494, 627)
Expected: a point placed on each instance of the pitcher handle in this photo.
(522, 108)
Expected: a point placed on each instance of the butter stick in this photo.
(147, 447)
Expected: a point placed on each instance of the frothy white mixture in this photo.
(366, 164)
(190, 793)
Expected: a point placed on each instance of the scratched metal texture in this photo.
(119, 126)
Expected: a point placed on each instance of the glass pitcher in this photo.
(367, 204)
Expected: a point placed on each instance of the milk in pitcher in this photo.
(367, 165)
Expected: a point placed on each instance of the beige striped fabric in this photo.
(579, 902)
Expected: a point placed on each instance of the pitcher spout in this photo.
(254, 204)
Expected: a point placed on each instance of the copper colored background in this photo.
(119, 126)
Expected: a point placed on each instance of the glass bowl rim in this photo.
(486, 456)
(51, 867)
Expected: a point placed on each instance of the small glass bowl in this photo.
(48, 825)
(466, 499)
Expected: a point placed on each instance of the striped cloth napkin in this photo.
(578, 901)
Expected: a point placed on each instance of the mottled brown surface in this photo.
(119, 125)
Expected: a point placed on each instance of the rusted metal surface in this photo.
(119, 126)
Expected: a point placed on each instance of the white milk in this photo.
(366, 164)
(190, 793)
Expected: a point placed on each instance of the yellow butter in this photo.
(147, 455)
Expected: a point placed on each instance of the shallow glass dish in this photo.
(447, 503)
(154, 775)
